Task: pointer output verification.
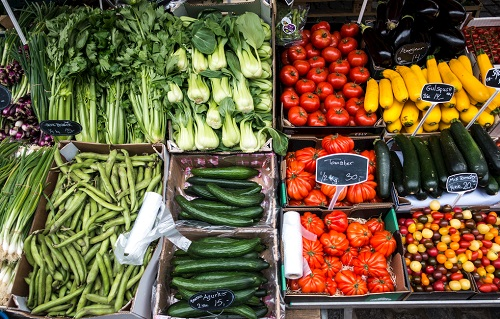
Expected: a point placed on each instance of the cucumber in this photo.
(218, 240)
(411, 167)
(240, 296)
(383, 169)
(216, 275)
(230, 184)
(184, 216)
(237, 249)
(488, 147)
(221, 208)
(211, 204)
(231, 172)
(182, 309)
(438, 160)
(200, 191)
(428, 174)
(234, 282)
(397, 174)
(210, 217)
(261, 293)
(249, 190)
(476, 163)
(235, 200)
(221, 264)
(453, 158)
(492, 187)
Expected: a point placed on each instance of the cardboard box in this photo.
(396, 263)
(137, 308)
(180, 170)
(165, 293)
(6, 22)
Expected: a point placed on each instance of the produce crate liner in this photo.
(292, 245)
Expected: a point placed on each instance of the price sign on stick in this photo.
(212, 300)
(461, 184)
(341, 170)
(434, 93)
(60, 127)
(5, 97)
(492, 79)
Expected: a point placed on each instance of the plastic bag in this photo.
(290, 23)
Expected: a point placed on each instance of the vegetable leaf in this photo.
(204, 40)
(280, 140)
(249, 25)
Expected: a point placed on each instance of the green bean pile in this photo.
(96, 198)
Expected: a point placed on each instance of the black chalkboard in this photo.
(4, 97)
(411, 53)
(212, 300)
(60, 127)
(461, 183)
(437, 92)
(342, 169)
(492, 78)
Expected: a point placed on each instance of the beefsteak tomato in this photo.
(372, 162)
(330, 286)
(298, 182)
(383, 242)
(312, 223)
(308, 156)
(362, 192)
(349, 255)
(370, 264)
(358, 234)
(329, 191)
(335, 143)
(380, 284)
(350, 284)
(334, 243)
(336, 220)
(331, 266)
(316, 198)
(375, 224)
(313, 253)
(313, 282)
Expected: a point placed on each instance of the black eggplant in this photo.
(402, 33)
(447, 42)
(381, 17)
(451, 12)
(425, 11)
(377, 47)
(394, 13)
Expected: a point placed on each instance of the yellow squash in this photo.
(443, 125)
(466, 62)
(393, 113)
(433, 75)
(423, 105)
(484, 63)
(448, 77)
(468, 115)
(422, 80)
(452, 102)
(430, 128)
(462, 101)
(411, 129)
(398, 85)
(424, 73)
(386, 97)
(486, 119)
(411, 81)
(409, 114)
(394, 127)
(449, 114)
(434, 116)
(472, 85)
(371, 96)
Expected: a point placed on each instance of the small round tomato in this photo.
(310, 102)
(347, 45)
(317, 75)
(363, 118)
(311, 51)
(289, 99)
(321, 38)
(336, 35)
(353, 104)
(284, 58)
(337, 80)
(305, 86)
(359, 74)
(296, 52)
(289, 75)
(350, 29)
(340, 66)
(297, 116)
(323, 89)
(316, 119)
(357, 58)
(305, 37)
(317, 62)
(331, 54)
(302, 66)
(334, 101)
(337, 117)
(321, 25)
(352, 89)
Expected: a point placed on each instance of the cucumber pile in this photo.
(428, 163)
(212, 263)
(225, 197)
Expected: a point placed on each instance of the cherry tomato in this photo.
(337, 80)
(321, 38)
(305, 86)
(316, 118)
(363, 118)
(297, 116)
(352, 89)
(334, 101)
(317, 75)
(350, 29)
(353, 104)
(289, 75)
(357, 58)
(347, 45)
(296, 52)
(289, 99)
(337, 117)
(311, 51)
(331, 54)
(323, 89)
(321, 25)
(305, 37)
(310, 102)
(302, 66)
(359, 74)
(317, 62)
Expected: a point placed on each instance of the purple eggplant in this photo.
(378, 49)
(402, 33)
(451, 12)
(394, 12)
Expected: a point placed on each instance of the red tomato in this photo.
(340, 66)
(306, 37)
(353, 104)
(336, 35)
(347, 45)
(337, 80)
(305, 86)
(317, 75)
(302, 66)
(296, 52)
(289, 75)
(321, 38)
(334, 101)
(317, 62)
(289, 99)
(297, 116)
(311, 51)
(365, 119)
(335, 42)
(352, 121)
(321, 25)
(309, 102)
(284, 58)
(352, 90)
(337, 117)
(331, 54)
(350, 29)
(359, 74)
(316, 119)
(357, 58)
(323, 89)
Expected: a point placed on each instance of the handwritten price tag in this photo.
(342, 169)
(411, 53)
(437, 92)
(461, 183)
(60, 127)
(212, 300)
(492, 78)
(5, 97)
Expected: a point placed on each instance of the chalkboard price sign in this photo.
(212, 300)
(341, 169)
(60, 127)
(492, 78)
(437, 92)
(461, 183)
(411, 53)
(4, 97)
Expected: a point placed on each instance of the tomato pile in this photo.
(322, 76)
(347, 256)
(443, 243)
(477, 38)
(301, 185)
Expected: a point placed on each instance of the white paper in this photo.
(292, 245)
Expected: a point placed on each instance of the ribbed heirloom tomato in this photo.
(350, 284)
(336, 220)
(380, 284)
(313, 253)
(316, 198)
(312, 223)
(308, 156)
(334, 243)
(383, 242)
(313, 282)
(331, 266)
(333, 144)
(298, 182)
(375, 224)
(358, 234)
(370, 264)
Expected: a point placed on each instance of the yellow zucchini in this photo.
(433, 75)
(430, 128)
(472, 101)
(466, 62)
(472, 85)
(411, 81)
(371, 96)
(394, 127)
(469, 114)
(423, 105)
(443, 125)
(449, 114)
(484, 64)
(393, 113)
(486, 119)
(419, 74)
(386, 97)
(424, 73)
(434, 116)
(398, 85)
(409, 114)
(411, 129)
(448, 77)
(462, 101)
(452, 102)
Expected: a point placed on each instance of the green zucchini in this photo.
(221, 208)
(210, 217)
(476, 163)
(436, 193)
(397, 174)
(235, 200)
(200, 191)
(411, 167)
(488, 147)
(237, 249)
(438, 160)
(453, 158)
(492, 187)
(428, 174)
(231, 172)
(225, 183)
(484, 181)
(221, 264)
(234, 282)
(421, 195)
(383, 169)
